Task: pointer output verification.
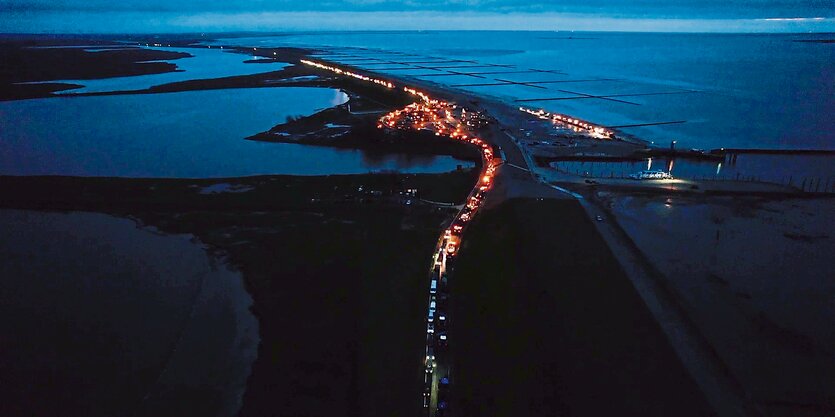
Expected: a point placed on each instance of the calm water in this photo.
(101, 318)
(797, 170)
(760, 91)
(186, 135)
(205, 63)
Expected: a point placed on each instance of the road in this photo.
(514, 176)
(457, 123)
(507, 176)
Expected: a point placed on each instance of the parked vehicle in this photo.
(442, 339)
(443, 396)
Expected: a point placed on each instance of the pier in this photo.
(737, 151)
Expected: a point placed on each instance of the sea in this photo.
(145, 333)
(704, 91)
(771, 91)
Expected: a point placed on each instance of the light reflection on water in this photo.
(781, 169)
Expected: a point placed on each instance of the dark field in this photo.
(338, 276)
(273, 192)
(545, 323)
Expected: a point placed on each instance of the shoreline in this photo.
(516, 176)
(36, 66)
(623, 148)
(442, 366)
(695, 344)
(248, 223)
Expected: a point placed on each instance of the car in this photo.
(443, 394)
(442, 321)
(442, 339)
(430, 328)
(430, 366)
(451, 246)
(429, 362)
(427, 392)
(599, 218)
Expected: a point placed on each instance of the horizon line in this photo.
(295, 22)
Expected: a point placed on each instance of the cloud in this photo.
(156, 22)
(793, 19)
(279, 15)
(628, 8)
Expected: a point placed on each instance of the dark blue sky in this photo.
(106, 15)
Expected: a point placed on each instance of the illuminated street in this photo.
(398, 208)
(577, 125)
(456, 123)
(519, 175)
(448, 120)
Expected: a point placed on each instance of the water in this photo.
(205, 63)
(102, 318)
(197, 134)
(803, 171)
(737, 91)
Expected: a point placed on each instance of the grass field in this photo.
(269, 192)
(338, 276)
(545, 323)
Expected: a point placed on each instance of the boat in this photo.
(651, 175)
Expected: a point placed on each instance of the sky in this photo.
(108, 16)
